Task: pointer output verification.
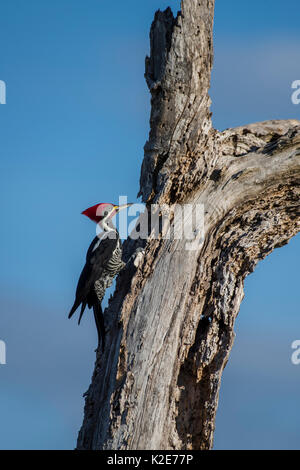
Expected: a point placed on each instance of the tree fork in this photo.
(172, 315)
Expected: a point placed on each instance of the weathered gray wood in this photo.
(172, 316)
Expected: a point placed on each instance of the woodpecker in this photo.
(103, 263)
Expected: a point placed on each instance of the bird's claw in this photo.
(136, 257)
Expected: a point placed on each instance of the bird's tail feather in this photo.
(99, 319)
(74, 308)
(81, 312)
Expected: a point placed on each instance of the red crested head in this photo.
(99, 211)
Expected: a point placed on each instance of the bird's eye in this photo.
(105, 213)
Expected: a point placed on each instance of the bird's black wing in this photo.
(98, 255)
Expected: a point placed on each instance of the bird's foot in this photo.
(137, 257)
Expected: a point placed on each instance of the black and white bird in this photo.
(103, 263)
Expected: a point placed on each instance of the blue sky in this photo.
(72, 135)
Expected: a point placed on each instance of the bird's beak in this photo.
(123, 206)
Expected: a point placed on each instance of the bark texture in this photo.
(172, 316)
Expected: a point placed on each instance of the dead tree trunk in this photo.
(172, 316)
